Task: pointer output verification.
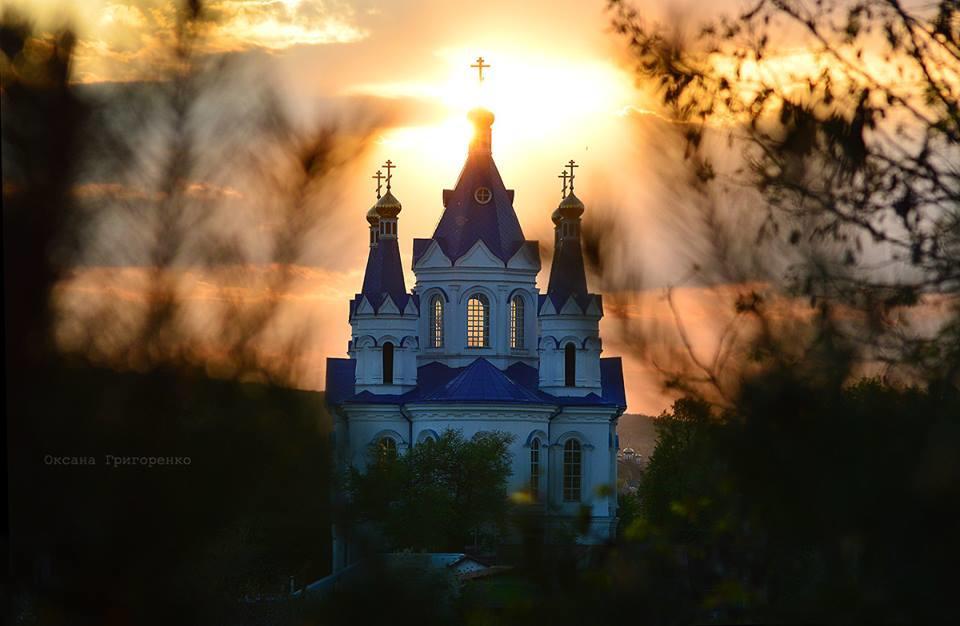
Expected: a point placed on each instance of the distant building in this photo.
(475, 346)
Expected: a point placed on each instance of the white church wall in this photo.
(591, 426)
(458, 284)
(556, 331)
(370, 333)
(366, 424)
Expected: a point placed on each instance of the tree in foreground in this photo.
(805, 474)
(442, 495)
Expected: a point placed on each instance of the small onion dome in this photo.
(570, 207)
(372, 216)
(388, 206)
(556, 217)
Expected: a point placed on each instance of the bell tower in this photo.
(384, 316)
(569, 315)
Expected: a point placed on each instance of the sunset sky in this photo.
(560, 86)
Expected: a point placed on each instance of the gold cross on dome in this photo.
(480, 65)
(570, 165)
(379, 177)
(389, 166)
(564, 176)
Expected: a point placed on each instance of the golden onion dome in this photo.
(372, 216)
(388, 206)
(570, 207)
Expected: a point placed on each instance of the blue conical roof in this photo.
(384, 274)
(479, 207)
(567, 275)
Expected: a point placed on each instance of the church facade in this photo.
(474, 346)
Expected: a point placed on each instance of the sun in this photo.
(533, 96)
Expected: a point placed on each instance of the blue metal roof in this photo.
(480, 381)
(567, 276)
(384, 274)
(559, 299)
(465, 221)
(420, 248)
(341, 374)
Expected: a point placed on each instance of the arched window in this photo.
(570, 365)
(535, 467)
(516, 322)
(572, 470)
(436, 321)
(386, 449)
(388, 363)
(478, 321)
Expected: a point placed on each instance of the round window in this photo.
(482, 195)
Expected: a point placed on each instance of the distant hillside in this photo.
(637, 432)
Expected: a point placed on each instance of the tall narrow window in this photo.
(570, 365)
(516, 322)
(388, 363)
(572, 468)
(478, 321)
(436, 322)
(535, 467)
(386, 449)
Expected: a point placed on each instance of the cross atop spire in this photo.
(480, 65)
(564, 176)
(389, 166)
(379, 177)
(570, 165)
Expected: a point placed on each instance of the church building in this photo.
(475, 346)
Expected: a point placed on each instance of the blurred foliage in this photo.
(785, 486)
(836, 124)
(441, 496)
(92, 542)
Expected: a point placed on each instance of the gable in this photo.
(388, 307)
(433, 257)
(594, 308)
(527, 257)
(363, 307)
(547, 308)
(479, 256)
(571, 308)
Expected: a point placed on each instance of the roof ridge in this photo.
(482, 381)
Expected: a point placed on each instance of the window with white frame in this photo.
(478, 321)
(516, 322)
(535, 467)
(436, 321)
(572, 470)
